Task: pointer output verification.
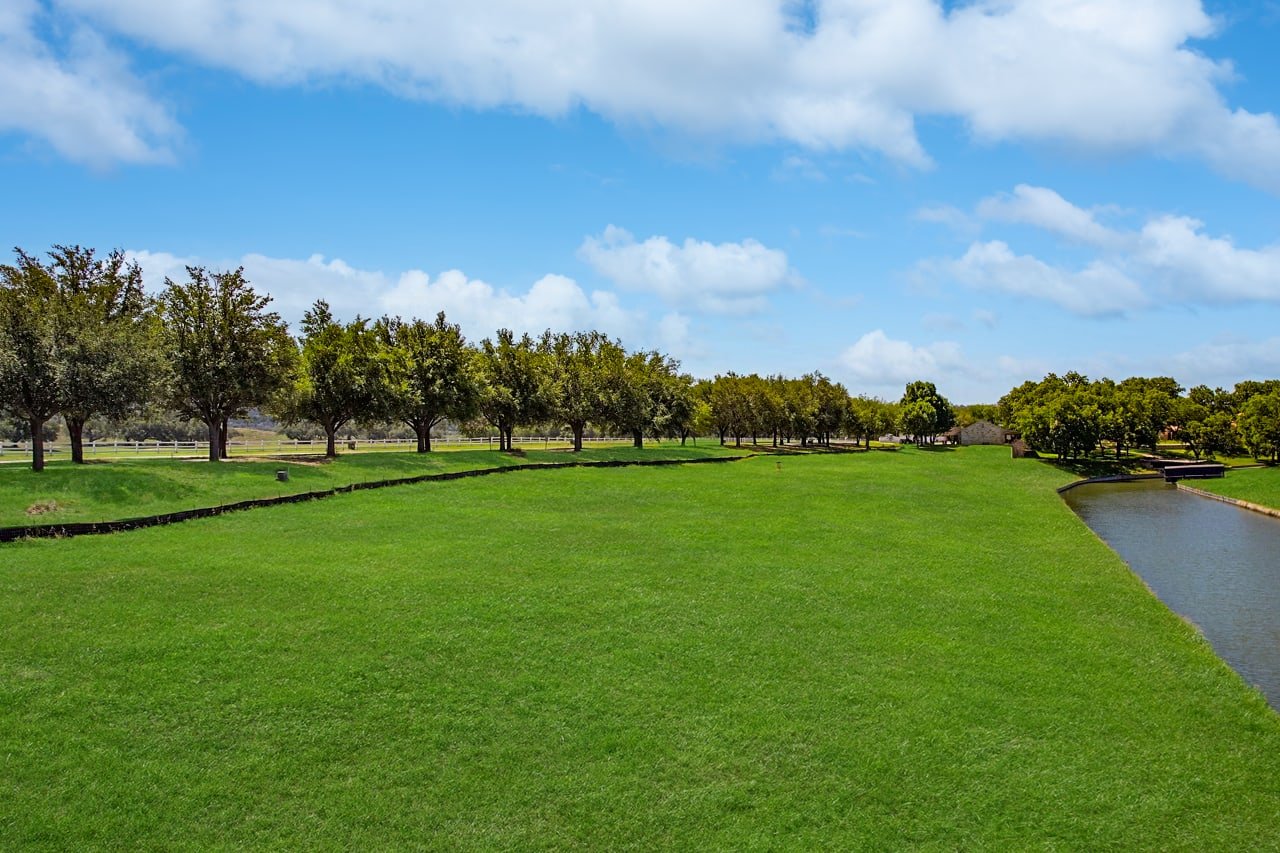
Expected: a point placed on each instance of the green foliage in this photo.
(342, 375)
(1260, 425)
(226, 351)
(431, 374)
(32, 336)
(514, 391)
(925, 413)
(110, 348)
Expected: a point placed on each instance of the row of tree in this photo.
(79, 338)
(1074, 417)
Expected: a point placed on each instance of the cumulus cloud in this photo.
(877, 359)
(1168, 259)
(1096, 290)
(78, 95)
(729, 278)
(1043, 208)
(1089, 74)
(553, 301)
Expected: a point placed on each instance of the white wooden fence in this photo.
(22, 450)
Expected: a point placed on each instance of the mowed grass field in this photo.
(105, 491)
(922, 649)
(1256, 485)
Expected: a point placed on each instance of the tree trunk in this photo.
(75, 430)
(577, 436)
(223, 430)
(722, 437)
(423, 436)
(215, 448)
(426, 437)
(637, 438)
(37, 444)
(330, 445)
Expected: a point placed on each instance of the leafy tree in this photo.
(110, 339)
(342, 375)
(575, 379)
(675, 407)
(1260, 425)
(729, 401)
(918, 419)
(513, 390)
(944, 416)
(31, 363)
(432, 374)
(226, 351)
(634, 387)
(870, 418)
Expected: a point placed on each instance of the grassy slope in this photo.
(877, 651)
(127, 489)
(1256, 485)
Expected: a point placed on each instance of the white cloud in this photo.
(1189, 264)
(80, 98)
(731, 278)
(1170, 259)
(1096, 290)
(553, 301)
(1228, 362)
(877, 359)
(948, 216)
(1044, 208)
(1089, 74)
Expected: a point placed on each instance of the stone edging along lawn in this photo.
(1265, 510)
(57, 531)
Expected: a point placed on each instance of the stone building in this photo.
(983, 432)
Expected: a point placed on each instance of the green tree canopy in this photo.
(431, 374)
(227, 353)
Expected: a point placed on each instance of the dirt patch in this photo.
(43, 507)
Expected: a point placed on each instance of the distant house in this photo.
(951, 436)
(983, 432)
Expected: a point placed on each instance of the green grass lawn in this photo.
(1256, 485)
(104, 491)
(841, 651)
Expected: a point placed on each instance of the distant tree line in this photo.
(1074, 417)
(81, 340)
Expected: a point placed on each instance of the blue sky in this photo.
(883, 190)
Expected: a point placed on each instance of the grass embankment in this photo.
(840, 651)
(129, 489)
(1255, 485)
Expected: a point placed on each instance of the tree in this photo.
(1260, 425)
(726, 396)
(109, 333)
(870, 418)
(432, 374)
(575, 379)
(944, 417)
(513, 392)
(918, 420)
(31, 365)
(227, 352)
(342, 375)
(634, 384)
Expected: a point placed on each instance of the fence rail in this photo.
(22, 450)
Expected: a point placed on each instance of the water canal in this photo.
(1216, 564)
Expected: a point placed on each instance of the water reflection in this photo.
(1214, 563)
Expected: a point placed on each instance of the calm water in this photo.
(1216, 564)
